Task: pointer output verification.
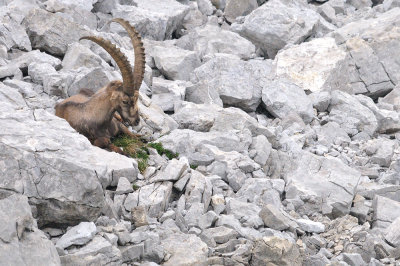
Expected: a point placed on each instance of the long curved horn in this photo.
(119, 58)
(138, 48)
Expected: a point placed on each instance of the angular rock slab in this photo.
(185, 249)
(21, 242)
(351, 115)
(154, 19)
(386, 211)
(276, 24)
(323, 184)
(227, 80)
(77, 235)
(187, 142)
(393, 233)
(282, 97)
(57, 168)
(313, 65)
(51, 32)
(275, 251)
(99, 251)
(211, 117)
(211, 39)
(154, 197)
(383, 35)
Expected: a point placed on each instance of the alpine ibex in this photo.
(95, 115)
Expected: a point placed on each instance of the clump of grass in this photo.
(160, 149)
(136, 148)
(135, 187)
(193, 166)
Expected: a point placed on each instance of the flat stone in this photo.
(311, 226)
(386, 211)
(393, 233)
(77, 235)
(273, 218)
(221, 234)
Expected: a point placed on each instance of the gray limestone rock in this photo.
(385, 210)
(275, 219)
(13, 35)
(175, 63)
(282, 97)
(210, 40)
(157, 20)
(371, 71)
(393, 233)
(184, 250)
(25, 59)
(314, 66)
(187, 142)
(221, 234)
(205, 7)
(324, 184)
(78, 55)
(227, 80)
(154, 197)
(173, 171)
(77, 235)
(276, 24)
(351, 115)
(51, 32)
(262, 191)
(274, 250)
(99, 251)
(237, 8)
(332, 133)
(310, 226)
(22, 243)
(245, 212)
(124, 186)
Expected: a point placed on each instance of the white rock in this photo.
(77, 235)
(311, 226)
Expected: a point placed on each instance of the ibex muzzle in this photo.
(95, 115)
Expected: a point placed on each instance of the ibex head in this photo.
(124, 95)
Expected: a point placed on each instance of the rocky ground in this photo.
(285, 115)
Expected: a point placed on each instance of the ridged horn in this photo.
(138, 48)
(119, 58)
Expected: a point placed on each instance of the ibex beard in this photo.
(109, 111)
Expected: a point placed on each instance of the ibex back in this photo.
(96, 115)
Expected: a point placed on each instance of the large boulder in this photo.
(383, 38)
(154, 19)
(22, 243)
(52, 33)
(282, 97)
(275, 251)
(227, 80)
(322, 184)
(314, 66)
(211, 39)
(351, 115)
(62, 174)
(276, 24)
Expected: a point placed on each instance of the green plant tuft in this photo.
(160, 150)
(136, 148)
(135, 187)
(193, 166)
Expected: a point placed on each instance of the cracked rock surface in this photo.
(285, 117)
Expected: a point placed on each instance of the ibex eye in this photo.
(125, 102)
